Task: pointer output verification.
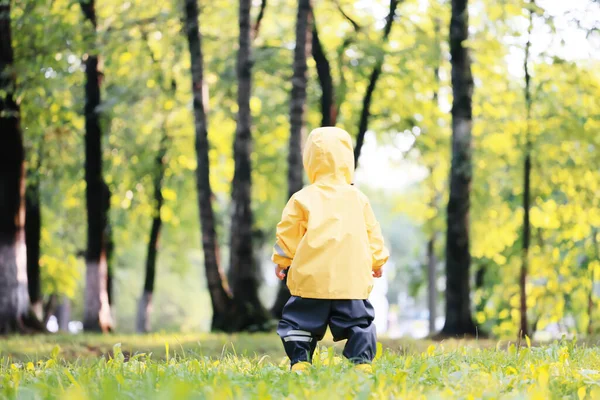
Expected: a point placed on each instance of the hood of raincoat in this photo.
(329, 156)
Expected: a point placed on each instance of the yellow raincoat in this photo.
(328, 235)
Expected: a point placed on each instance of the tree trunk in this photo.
(298, 99)
(297, 126)
(480, 285)
(109, 265)
(357, 28)
(221, 301)
(435, 203)
(432, 283)
(243, 269)
(328, 104)
(96, 314)
(63, 315)
(523, 326)
(109, 280)
(459, 319)
(145, 303)
(33, 225)
(109, 245)
(480, 276)
(342, 87)
(283, 295)
(49, 309)
(590, 308)
(259, 18)
(14, 299)
(591, 305)
(366, 103)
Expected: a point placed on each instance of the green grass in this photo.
(33, 348)
(254, 367)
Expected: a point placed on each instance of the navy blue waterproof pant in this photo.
(304, 323)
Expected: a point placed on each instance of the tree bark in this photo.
(375, 73)
(354, 24)
(145, 302)
(96, 314)
(221, 301)
(243, 269)
(33, 225)
(432, 283)
(109, 244)
(328, 104)
(39, 312)
(435, 200)
(259, 18)
(49, 309)
(297, 126)
(459, 319)
(342, 87)
(591, 305)
(480, 276)
(14, 297)
(63, 314)
(298, 98)
(523, 325)
(479, 285)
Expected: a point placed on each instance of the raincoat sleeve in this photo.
(378, 250)
(290, 231)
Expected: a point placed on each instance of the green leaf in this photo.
(55, 352)
(379, 351)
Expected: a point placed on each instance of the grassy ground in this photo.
(33, 348)
(254, 367)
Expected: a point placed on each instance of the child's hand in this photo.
(280, 272)
(378, 273)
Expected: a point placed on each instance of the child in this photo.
(331, 245)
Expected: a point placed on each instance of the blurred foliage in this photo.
(146, 93)
(565, 177)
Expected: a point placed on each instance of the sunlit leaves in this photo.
(146, 95)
